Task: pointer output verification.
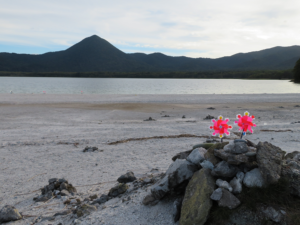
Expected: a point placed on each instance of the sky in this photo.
(192, 28)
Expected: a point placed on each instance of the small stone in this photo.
(250, 154)
(239, 147)
(273, 214)
(126, 178)
(118, 189)
(223, 169)
(103, 198)
(148, 199)
(92, 197)
(9, 213)
(197, 156)
(63, 213)
(63, 186)
(52, 180)
(240, 175)
(217, 194)
(177, 209)
(147, 180)
(56, 192)
(207, 164)
(236, 185)
(73, 201)
(85, 209)
(63, 181)
(64, 193)
(44, 198)
(228, 200)
(253, 178)
(223, 184)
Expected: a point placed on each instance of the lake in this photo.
(144, 86)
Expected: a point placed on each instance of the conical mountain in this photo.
(94, 54)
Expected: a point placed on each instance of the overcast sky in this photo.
(194, 28)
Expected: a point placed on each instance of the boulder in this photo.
(223, 184)
(9, 213)
(228, 200)
(85, 209)
(253, 178)
(179, 171)
(269, 159)
(103, 198)
(182, 155)
(118, 189)
(127, 177)
(197, 156)
(223, 169)
(197, 203)
(292, 174)
(217, 194)
(236, 185)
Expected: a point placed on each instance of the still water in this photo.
(144, 86)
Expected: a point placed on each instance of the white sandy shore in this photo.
(38, 132)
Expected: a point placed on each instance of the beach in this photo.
(43, 135)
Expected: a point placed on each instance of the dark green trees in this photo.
(297, 72)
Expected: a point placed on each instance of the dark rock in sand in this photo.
(44, 197)
(269, 159)
(52, 180)
(63, 213)
(85, 210)
(9, 213)
(117, 190)
(182, 155)
(103, 198)
(126, 178)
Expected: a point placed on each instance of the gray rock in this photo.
(64, 193)
(44, 198)
(237, 159)
(52, 180)
(269, 159)
(292, 174)
(223, 169)
(217, 194)
(148, 199)
(63, 186)
(207, 164)
(182, 155)
(62, 180)
(229, 147)
(179, 171)
(177, 209)
(197, 156)
(236, 185)
(222, 154)
(239, 148)
(126, 178)
(48, 188)
(56, 192)
(223, 184)
(103, 198)
(9, 213)
(273, 214)
(240, 175)
(197, 203)
(253, 178)
(250, 154)
(228, 200)
(118, 189)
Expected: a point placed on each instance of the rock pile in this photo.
(217, 172)
(55, 188)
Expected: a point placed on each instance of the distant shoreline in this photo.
(255, 74)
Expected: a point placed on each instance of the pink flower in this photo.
(245, 122)
(220, 127)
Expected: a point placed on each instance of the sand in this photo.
(42, 136)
